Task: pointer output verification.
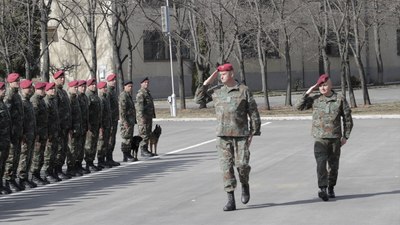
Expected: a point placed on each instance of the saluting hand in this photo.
(312, 88)
(343, 141)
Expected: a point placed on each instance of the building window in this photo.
(52, 34)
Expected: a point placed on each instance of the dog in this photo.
(153, 139)
(135, 146)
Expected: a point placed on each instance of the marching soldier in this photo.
(64, 113)
(127, 115)
(94, 125)
(16, 109)
(104, 135)
(144, 114)
(83, 103)
(28, 136)
(41, 116)
(113, 97)
(5, 134)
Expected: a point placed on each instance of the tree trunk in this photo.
(377, 43)
(288, 100)
(44, 18)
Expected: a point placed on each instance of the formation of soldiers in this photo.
(44, 126)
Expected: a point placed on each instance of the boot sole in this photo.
(323, 196)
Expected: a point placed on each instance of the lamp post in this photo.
(166, 29)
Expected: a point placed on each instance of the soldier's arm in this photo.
(255, 121)
(347, 119)
(139, 104)
(122, 108)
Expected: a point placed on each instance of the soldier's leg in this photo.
(321, 157)
(12, 161)
(62, 153)
(226, 160)
(90, 149)
(333, 161)
(144, 132)
(38, 159)
(126, 143)
(81, 154)
(242, 158)
(4, 151)
(50, 157)
(72, 154)
(111, 144)
(25, 163)
(102, 148)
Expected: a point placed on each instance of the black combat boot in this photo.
(79, 169)
(23, 182)
(4, 189)
(61, 174)
(230, 205)
(111, 161)
(145, 153)
(331, 192)
(128, 157)
(36, 178)
(90, 166)
(52, 176)
(71, 171)
(245, 193)
(322, 194)
(101, 163)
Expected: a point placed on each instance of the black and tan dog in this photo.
(153, 140)
(135, 147)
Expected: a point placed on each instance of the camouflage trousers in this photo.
(233, 152)
(113, 136)
(25, 159)
(62, 148)
(81, 151)
(38, 154)
(102, 145)
(50, 153)
(327, 154)
(92, 137)
(74, 145)
(10, 171)
(4, 151)
(144, 130)
(126, 135)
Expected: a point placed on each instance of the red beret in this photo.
(12, 77)
(2, 85)
(73, 83)
(82, 82)
(25, 84)
(111, 77)
(40, 85)
(50, 86)
(101, 85)
(58, 74)
(90, 82)
(225, 67)
(322, 79)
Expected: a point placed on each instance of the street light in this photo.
(166, 29)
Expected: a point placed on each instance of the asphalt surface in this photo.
(184, 184)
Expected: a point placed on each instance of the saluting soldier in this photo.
(92, 136)
(74, 142)
(53, 132)
(113, 97)
(84, 105)
(41, 116)
(28, 136)
(5, 134)
(64, 113)
(127, 115)
(16, 109)
(144, 114)
(104, 135)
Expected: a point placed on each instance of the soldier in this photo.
(28, 136)
(84, 105)
(74, 142)
(64, 113)
(113, 97)
(53, 131)
(234, 106)
(127, 115)
(330, 113)
(144, 115)
(16, 109)
(104, 135)
(41, 116)
(5, 134)
(94, 125)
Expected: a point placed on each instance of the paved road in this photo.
(183, 186)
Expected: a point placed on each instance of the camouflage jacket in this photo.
(40, 109)
(16, 109)
(64, 108)
(84, 104)
(236, 110)
(113, 97)
(29, 130)
(75, 114)
(127, 111)
(52, 114)
(105, 112)
(94, 110)
(144, 104)
(5, 125)
(328, 113)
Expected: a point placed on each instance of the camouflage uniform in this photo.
(104, 136)
(84, 105)
(41, 116)
(233, 107)
(328, 113)
(74, 142)
(92, 135)
(144, 113)
(53, 134)
(127, 115)
(16, 109)
(64, 113)
(5, 134)
(113, 98)
(28, 138)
